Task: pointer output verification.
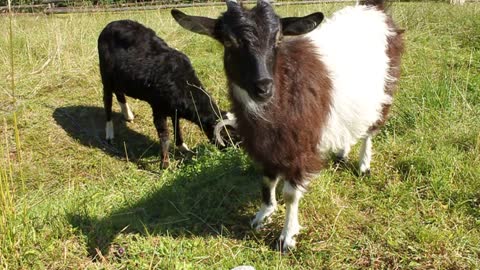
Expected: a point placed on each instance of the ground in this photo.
(71, 201)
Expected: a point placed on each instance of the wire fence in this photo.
(85, 6)
(65, 6)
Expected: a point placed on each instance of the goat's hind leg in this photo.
(122, 101)
(160, 121)
(341, 157)
(269, 202)
(365, 154)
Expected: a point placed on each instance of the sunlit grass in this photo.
(68, 200)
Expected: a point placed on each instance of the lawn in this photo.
(68, 200)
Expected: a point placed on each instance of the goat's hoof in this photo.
(340, 160)
(365, 172)
(258, 224)
(183, 148)
(165, 164)
(109, 141)
(286, 245)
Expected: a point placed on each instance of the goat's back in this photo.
(135, 61)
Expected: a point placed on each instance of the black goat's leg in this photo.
(122, 101)
(177, 131)
(160, 121)
(107, 103)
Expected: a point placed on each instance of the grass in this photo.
(70, 201)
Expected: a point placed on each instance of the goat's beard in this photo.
(249, 105)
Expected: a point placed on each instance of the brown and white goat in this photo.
(298, 99)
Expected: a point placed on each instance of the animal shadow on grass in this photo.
(208, 198)
(87, 125)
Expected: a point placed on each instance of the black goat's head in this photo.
(250, 38)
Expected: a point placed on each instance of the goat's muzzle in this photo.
(263, 89)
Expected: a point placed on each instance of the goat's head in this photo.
(250, 38)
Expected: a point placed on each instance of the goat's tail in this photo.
(380, 4)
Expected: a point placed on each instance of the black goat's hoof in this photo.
(165, 164)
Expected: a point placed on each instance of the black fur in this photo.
(239, 29)
(380, 4)
(135, 62)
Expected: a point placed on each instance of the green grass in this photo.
(70, 201)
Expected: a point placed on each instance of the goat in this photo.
(135, 62)
(297, 100)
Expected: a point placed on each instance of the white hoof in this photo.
(287, 238)
(286, 244)
(184, 148)
(364, 169)
(262, 217)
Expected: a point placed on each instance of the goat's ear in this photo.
(200, 25)
(292, 26)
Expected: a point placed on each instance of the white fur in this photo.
(230, 121)
(231, 116)
(165, 144)
(109, 130)
(250, 105)
(262, 216)
(292, 196)
(366, 154)
(343, 153)
(352, 44)
(184, 148)
(127, 113)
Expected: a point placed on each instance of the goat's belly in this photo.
(349, 120)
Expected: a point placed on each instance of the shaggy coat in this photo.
(135, 62)
(299, 99)
(279, 140)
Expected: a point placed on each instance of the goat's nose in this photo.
(263, 87)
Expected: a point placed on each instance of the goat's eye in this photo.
(227, 43)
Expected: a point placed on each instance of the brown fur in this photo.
(394, 53)
(286, 142)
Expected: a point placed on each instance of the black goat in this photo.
(135, 62)
(300, 98)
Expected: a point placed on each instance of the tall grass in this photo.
(12, 214)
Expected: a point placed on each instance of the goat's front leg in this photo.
(366, 154)
(107, 103)
(292, 195)
(269, 202)
(177, 131)
(160, 121)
